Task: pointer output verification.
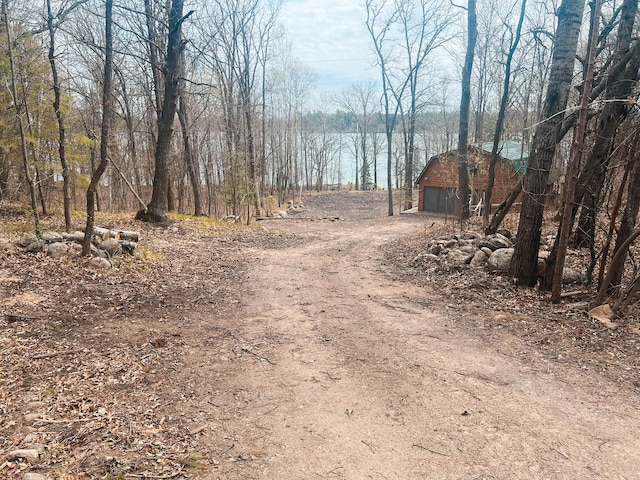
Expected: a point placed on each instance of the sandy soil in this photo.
(313, 359)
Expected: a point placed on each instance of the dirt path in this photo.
(345, 373)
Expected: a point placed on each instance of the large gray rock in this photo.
(542, 267)
(450, 244)
(500, 259)
(479, 259)
(27, 239)
(35, 247)
(471, 235)
(98, 262)
(57, 250)
(503, 239)
(458, 257)
(30, 455)
(495, 242)
(468, 249)
(570, 275)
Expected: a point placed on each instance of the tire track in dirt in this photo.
(349, 374)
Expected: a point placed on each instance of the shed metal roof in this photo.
(511, 150)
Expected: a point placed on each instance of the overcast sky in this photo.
(331, 37)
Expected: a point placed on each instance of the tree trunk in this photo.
(555, 262)
(157, 208)
(107, 115)
(465, 101)
(408, 168)
(152, 45)
(251, 149)
(604, 256)
(504, 208)
(524, 264)
(66, 171)
(39, 182)
(617, 263)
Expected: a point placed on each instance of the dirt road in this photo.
(343, 372)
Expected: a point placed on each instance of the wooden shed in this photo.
(438, 181)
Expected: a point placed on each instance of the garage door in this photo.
(440, 200)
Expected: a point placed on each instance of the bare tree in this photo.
(424, 24)
(159, 205)
(241, 37)
(193, 168)
(574, 163)
(524, 263)
(62, 142)
(107, 116)
(618, 86)
(502, 111)
(378, 29)
(465, 101)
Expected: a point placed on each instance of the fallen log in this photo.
(103, 233)
(117, 234)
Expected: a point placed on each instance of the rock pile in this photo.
(487, 252)
(105, 244)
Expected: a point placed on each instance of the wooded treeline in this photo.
(246, 126)
(210, 113)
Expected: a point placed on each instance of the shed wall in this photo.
(442, 176)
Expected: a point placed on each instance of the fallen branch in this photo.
(55, 354)
(429, 450)
(140, 201)
(368, 445)
(245, 349)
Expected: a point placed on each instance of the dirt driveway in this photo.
(346, 373)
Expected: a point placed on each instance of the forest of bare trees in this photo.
(201, 108)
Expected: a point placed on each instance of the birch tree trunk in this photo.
(574, 165)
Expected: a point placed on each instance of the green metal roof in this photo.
(511, 150)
